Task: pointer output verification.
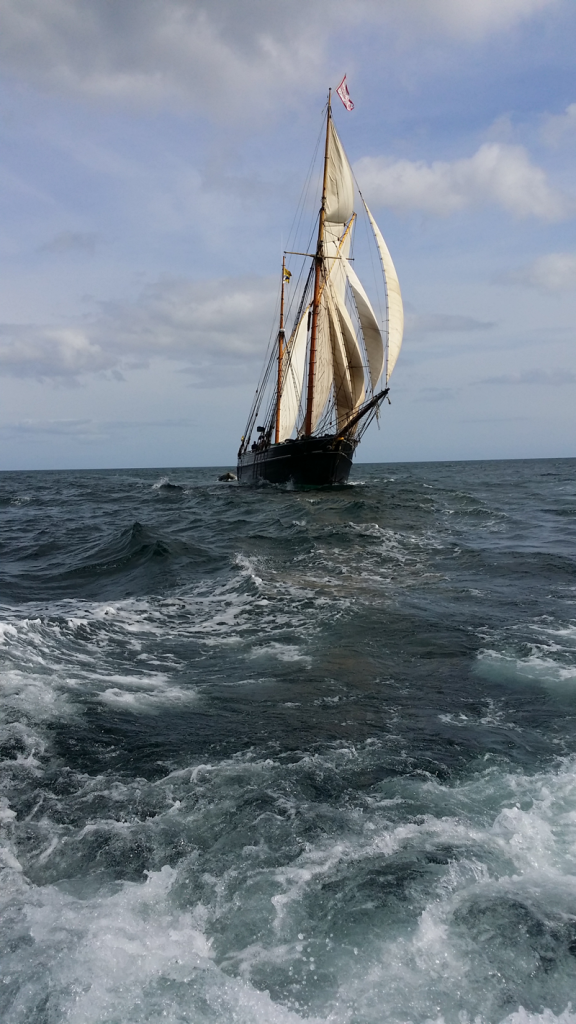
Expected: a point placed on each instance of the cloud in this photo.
(541, 377)
(554, 272)
(557, 127)
(85, 430)
(479, 17)
(217, 55)
(217, 328)
(61, 353)
(210, 325)
(70, 241)
(429, 323)
(497, 174)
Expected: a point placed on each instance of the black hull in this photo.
(305, 462)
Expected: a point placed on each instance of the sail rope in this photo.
(270, 358)
(343, 358)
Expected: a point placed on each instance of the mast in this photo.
(280, 354)
(319, 262)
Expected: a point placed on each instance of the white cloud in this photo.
(216, 328)
(219, 55)
(497, 174)
(49, 352)
(554, 272)
(198, 321)
(557, 127)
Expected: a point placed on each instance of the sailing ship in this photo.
(327, 377)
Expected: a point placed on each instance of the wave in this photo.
(166, 485)
(288, 757)
(135, 559)
(320, 899)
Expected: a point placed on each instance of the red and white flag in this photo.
(344, 95)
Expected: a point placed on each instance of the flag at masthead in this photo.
(344, 95)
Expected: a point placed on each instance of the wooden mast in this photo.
(319, 261)
(280, 354)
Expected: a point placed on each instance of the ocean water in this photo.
(281, 757)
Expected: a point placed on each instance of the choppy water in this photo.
(272, 757)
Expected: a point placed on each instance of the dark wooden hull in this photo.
(305, 462)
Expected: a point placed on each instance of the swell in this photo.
(133, 560)
(278, 757)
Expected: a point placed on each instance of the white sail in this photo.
(294, 363)
(339, 363)
(339, 182)
(353, 353)
(343, 388)
(395, 307)
(337, 241)
(325, 374)
(369, 324)
(339, 209)
(323, 366)
(335, 247)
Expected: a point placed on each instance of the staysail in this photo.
(324, 370)
(395, 307)
(294, 365)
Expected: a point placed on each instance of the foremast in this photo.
(318, 273)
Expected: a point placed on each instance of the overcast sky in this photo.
(153, 155)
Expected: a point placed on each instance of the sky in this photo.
(153, 154)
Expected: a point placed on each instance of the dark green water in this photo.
(272, 757)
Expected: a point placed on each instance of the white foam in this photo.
(522, 1016)
(133, 957)
(536, 667)
(143, 951)
(283, 652)
(548, 659)
(145, 700)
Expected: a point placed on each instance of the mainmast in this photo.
(280, 353)
(319, 263)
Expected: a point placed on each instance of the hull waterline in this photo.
(305, 462)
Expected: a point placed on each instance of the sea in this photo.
(275, 756)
